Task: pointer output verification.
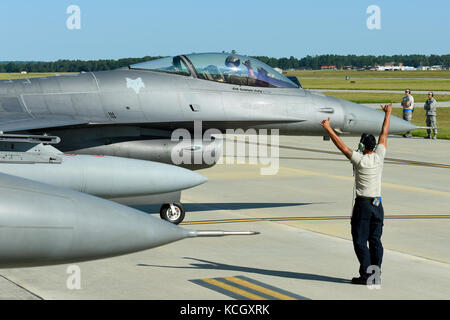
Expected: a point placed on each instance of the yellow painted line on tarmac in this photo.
(242, 287)
(259, 288)
(415, 189)
(400, 217)
(233, 289)
(264, 219)
(418, 163)
(418, 217)
(385, 184)
(240, 175)
(399, 161)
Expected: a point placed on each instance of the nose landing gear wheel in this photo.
(173, 212)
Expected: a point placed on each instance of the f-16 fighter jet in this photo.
(109, 134)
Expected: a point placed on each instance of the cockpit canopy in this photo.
(220, 67)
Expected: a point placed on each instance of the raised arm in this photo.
(336, 140)
(387, 120)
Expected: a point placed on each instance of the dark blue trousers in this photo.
(367, 226)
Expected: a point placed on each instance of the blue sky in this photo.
(36, 30)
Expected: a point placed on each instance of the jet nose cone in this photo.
(360, 118)
(399, 125)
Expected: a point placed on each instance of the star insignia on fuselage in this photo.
(135, 84)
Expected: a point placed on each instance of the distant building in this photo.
(390, 66)
(328, 68)
(23, 72)
(434, 68)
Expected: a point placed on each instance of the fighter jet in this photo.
(132, 112)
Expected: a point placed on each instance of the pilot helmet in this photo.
(176, 61)
(232, 62)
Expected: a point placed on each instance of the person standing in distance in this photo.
(368, 214)
(408, 109)
(430, 108)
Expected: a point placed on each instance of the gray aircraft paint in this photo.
(105, 98)
(108, 112)
(104, 176)
(42, 224)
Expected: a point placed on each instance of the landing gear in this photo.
(172, 212)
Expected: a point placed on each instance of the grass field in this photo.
(376, 84)
(6, 76)
(376, 97)
(443, 121)
(369, 74)
(374, 80)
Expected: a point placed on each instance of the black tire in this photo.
(166, 213)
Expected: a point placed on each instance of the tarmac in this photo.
(304, 249)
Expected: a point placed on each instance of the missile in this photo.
(41, 224)
(103, 176)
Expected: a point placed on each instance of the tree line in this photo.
(70, 65)
(308, 62)
(340, 61)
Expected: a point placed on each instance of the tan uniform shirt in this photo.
(368, 169)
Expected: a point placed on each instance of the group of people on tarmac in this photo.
(430, 108)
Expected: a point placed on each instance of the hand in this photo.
(326, 124)
(387, 108)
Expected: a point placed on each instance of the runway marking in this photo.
(327, 175)
(260, 288)
(400, 161)
(243, 293)
(393, 217)
(385, 184)
(395, 161)
(244, 288)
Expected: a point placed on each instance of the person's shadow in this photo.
(210, 265)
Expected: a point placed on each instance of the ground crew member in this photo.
(430, 108)
(408, 109)
(368, 214)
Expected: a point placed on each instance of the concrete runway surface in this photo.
(304, 250)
